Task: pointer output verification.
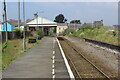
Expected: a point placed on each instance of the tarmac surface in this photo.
(44, 60)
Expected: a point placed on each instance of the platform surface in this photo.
(38, 62)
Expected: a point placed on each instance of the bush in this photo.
(18, 32)
(82, 35)
(85, 26)
(40, 33)
(68, 32)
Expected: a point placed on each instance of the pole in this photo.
(3, 18)
(19, 13)
(5, 21)
(24, 37)
(36, 26)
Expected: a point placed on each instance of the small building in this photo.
(98, 23)
(9, 27)
(41, 23)
(74, 26)
(61, 27)
(11, 24)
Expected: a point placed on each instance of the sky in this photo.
(87, 12)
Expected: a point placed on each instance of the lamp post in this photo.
(36, 16)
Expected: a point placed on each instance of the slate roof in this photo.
(41, 21)
(13, 22)
(27, 21)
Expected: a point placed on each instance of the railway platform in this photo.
(43, 61)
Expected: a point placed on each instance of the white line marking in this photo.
(53, 71)
(66, 62)
(53, 61)
(53, 66)
(53, 52)
(53, 77)
(53, 57)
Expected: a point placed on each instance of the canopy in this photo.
(41, 22)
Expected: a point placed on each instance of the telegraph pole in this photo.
(5, 16)
(19, 13)
(24, 37)
(36, 17)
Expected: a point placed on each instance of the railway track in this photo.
(82, 67)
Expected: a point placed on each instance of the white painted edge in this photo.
(53, 52)
(66, 62)
(53, 71)
(53, 77)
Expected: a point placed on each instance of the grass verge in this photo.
(13, 50)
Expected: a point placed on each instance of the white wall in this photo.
(60, 29)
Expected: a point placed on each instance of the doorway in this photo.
(46, 31)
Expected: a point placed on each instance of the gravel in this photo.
(105, 59)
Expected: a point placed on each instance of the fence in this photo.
(12, 35)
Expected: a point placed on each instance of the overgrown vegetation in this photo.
(18, 32)
(95, 32)
(68, 32)
(40, 33)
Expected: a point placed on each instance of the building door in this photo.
(46, 31)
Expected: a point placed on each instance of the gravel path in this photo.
(107, 60)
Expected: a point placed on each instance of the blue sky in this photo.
(85, 11)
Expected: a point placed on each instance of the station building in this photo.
(46, 25)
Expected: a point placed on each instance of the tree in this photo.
(65, 20)
(60, 19)
(75, 21)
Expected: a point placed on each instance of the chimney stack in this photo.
(35, 15)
